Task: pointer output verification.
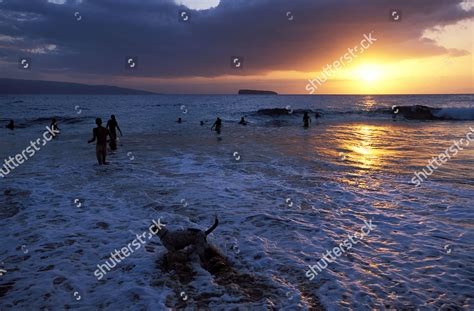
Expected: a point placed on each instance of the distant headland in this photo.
(17, 86)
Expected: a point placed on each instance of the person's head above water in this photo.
(98, 121)
(112, 117)
(54, 120)
(305, 113)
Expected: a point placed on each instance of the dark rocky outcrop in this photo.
(417, 112)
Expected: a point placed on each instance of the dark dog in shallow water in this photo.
(179, 239)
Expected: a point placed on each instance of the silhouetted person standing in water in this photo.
(54, 127)
(242, 121)
(306, 120)
(112, 124)
(100, 133)
(217, 125)
(10, 125)
(180, 120)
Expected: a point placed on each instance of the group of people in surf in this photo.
(218, 123)
(307, 118)
(100, 133)
(53, 126)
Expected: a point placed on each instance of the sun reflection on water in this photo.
(366, 146)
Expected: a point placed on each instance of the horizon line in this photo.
(323, 94)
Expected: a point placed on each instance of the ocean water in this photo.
(284, 195)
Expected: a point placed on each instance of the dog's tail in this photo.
(214, 226)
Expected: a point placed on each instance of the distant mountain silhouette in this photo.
(17, 86)
(256, 92)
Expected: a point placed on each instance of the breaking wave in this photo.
(415, 112)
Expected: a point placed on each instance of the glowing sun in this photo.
(368, 72)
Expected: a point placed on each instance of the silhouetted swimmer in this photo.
(242, 121)
(100, 133)
(202, 123)
(112, 124)
(54, 127)
(10, 125)
(217, 125)
(180, 120)
(306, 120)
(317, 115)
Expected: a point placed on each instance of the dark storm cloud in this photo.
(258, 30)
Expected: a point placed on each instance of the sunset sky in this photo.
(429, 49)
